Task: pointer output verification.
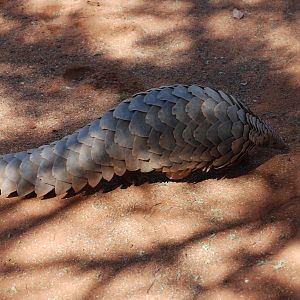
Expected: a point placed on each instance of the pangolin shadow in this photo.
(249, 163)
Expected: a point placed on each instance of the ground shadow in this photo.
(198, 238)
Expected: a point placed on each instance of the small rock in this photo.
(205, 247)
(279, 265)
(232, 236)
(237, 14)
(13, 289)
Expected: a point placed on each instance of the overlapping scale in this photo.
(176, 129)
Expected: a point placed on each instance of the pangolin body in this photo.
(174, 129)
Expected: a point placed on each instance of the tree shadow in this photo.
(197, 238)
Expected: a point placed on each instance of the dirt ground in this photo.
(228, 235)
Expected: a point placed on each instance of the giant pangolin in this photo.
(173, 129)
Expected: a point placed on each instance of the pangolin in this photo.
(173, 129)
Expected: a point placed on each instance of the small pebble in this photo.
(237, 14)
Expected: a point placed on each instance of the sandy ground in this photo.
(232, 235)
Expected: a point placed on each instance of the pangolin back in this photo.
(174, 129)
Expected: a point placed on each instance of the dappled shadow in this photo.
(223, 234)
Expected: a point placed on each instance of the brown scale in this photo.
(173, 129)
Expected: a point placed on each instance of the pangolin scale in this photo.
(173, 129)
